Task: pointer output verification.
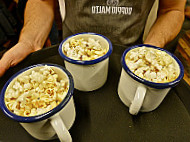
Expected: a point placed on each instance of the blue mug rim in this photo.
(149, 83)
(44, 115)
(79, 62)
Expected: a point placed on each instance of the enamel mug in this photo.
(53, 123)
(142, 95)
(88, 75)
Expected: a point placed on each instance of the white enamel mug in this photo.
(53, 123)
(88, 75)
(142, 95)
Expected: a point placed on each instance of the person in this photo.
(122, 21)
(171, 46)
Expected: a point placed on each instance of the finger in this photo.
(4, 65)
(3, 68)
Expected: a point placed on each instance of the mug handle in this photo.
(138, 100)
(59, 127)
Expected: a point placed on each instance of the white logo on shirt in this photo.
(112, 8)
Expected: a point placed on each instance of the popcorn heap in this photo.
(152, 64)
(81, 49)
(36, 93)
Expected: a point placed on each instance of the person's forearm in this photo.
(166, 27)
(38, 19)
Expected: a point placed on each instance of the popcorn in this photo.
(36, 93)
(84, 50)
(152, 64)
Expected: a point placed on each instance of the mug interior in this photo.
(104, 42)
(178, 65)
(62, 74)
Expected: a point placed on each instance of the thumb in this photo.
(3, 67)
(13, 56)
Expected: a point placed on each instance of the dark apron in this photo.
(122, 21)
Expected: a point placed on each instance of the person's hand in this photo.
(15, 55)
(187, 11)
